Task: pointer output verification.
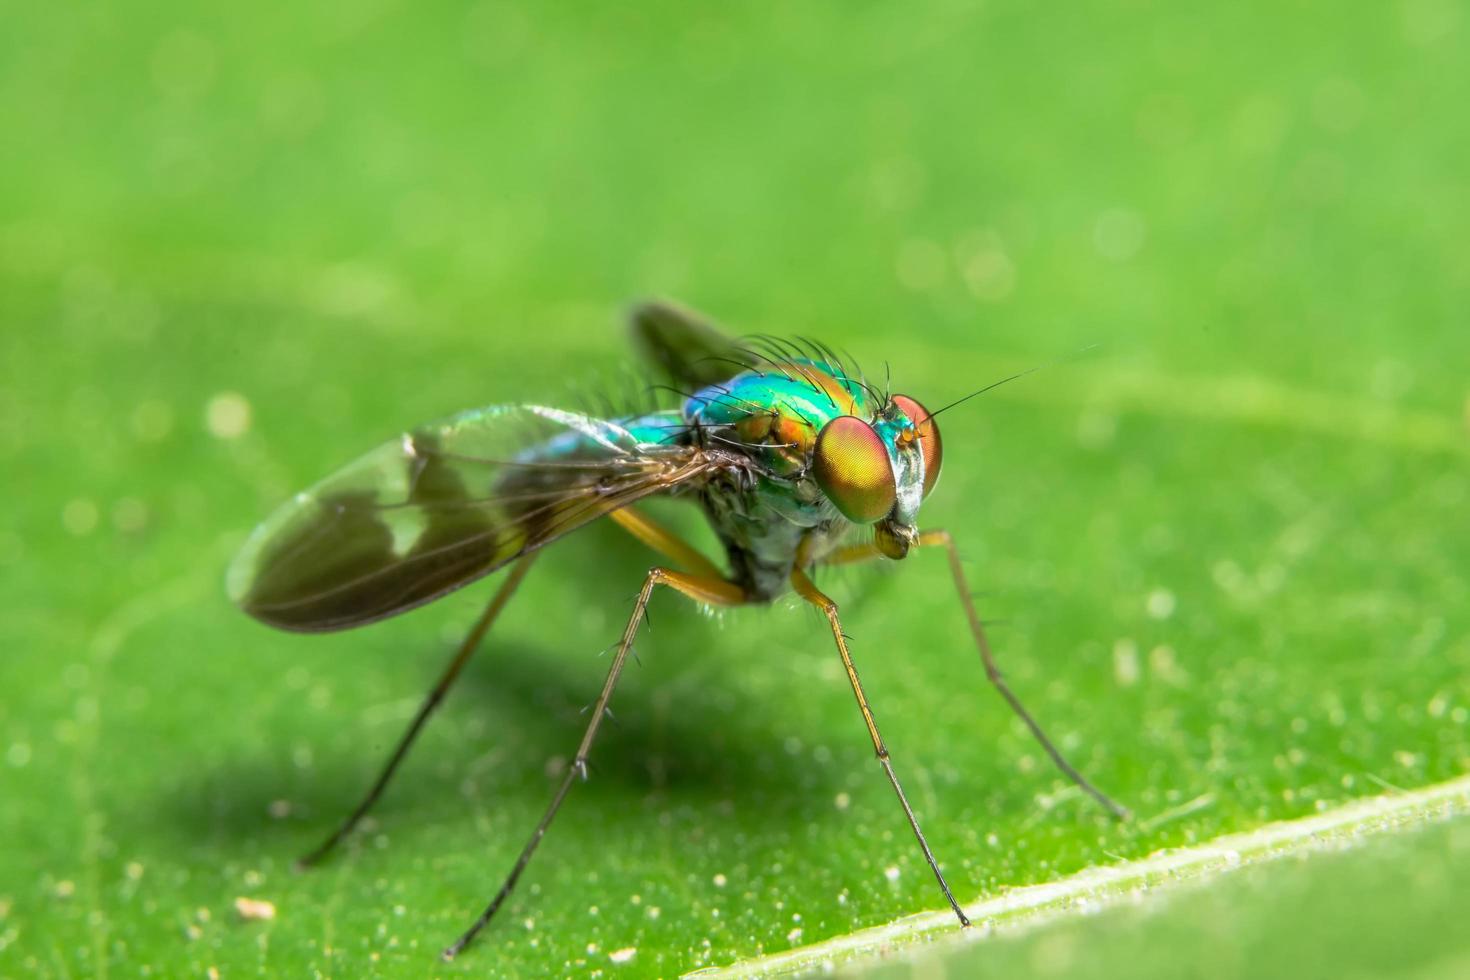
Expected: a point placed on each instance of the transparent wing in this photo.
(442, 506)
(685, 346)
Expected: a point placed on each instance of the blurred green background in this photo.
(1227, 547)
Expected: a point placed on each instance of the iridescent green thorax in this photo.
(776, 415)
(773, 417)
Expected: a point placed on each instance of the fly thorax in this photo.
(798, 500)
(781, 442)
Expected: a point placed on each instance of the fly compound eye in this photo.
(929, 441)
(851, 466)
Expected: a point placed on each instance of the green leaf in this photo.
(1221, 534)
(1353, 913)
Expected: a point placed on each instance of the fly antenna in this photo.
(1018, 375)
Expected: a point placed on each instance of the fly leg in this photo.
(865, 552)
(436, 695)
(664, 541)
(808, 591)
(715, 591)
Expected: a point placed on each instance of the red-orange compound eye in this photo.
(851, 466)
(929, 440)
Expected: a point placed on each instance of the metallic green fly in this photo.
(783, 444)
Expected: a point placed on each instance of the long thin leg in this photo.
(865, 552)
(446, 680)
(699, 588)
(808, 591)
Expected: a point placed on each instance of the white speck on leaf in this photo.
(227, 415)
(255, 909)
(1161, 603)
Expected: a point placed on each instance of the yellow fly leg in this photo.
(665, 542)
(707, 589)
(440, 689)
(866, 552)
(808, 591)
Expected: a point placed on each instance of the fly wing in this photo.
(685, 346)
(442, 506)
